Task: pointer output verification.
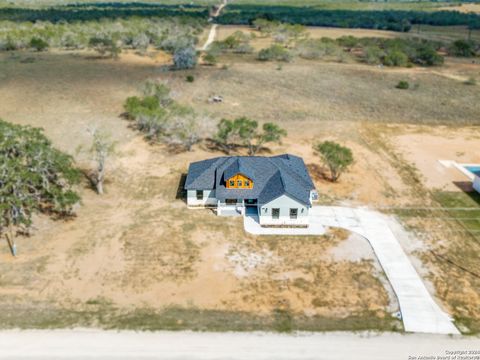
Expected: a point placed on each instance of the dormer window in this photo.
(239, 181)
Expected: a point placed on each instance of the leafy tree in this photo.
(335, 156)
(465, 48)
(161, 118)
(185, 58)
(246, 130)
(427, 55)
(105, 46)
(395, 58)
(271, 133)
(225, 134)
(34, 177)
(373, 55)
(38, 44)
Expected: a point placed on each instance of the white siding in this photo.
(476, 183)
(208, 198)
(284, 203)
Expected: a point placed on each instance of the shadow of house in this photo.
(181, 193)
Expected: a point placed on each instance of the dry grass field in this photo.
(138, 258)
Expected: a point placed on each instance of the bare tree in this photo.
(102, 148)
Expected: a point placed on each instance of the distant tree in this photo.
(465, 48)
(102, 148)
(335, 156)
(373, 55)
(275, 52)
(141, 42)
(38, 44)
(105, 46)
(185, 58)
(395, 58)
(427, 55)
(35, 177)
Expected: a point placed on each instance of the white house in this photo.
(278, 189)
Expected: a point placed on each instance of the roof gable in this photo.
(273, 177)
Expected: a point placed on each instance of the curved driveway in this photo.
(420, 313)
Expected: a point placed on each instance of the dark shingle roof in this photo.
(272, 177)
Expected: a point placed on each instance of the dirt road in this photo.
(81, 344)
(213, 29)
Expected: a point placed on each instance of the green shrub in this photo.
(427, 55)
(209, 59)
(275, 52)
(402, 84)
(190, 78)
(38, 44)
(336, 157)
(105, 46)
(465, 48)
(316, 48)
(395, 58)
(185, 58)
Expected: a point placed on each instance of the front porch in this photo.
(234, 207)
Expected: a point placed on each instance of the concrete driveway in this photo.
(420, 313)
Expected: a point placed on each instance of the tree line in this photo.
(106, 36)
(290, 41)
(395, 20)
(113, 11)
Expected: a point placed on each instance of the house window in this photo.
(276, 213)
(199, 194)
(239, 183)
(232, 183)
(247, 183)
(293, 213)
(231, 201)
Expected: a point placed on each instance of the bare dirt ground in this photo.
(467, 8)
(138, 247)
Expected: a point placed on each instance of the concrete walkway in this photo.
(420, 313)
(252, 226)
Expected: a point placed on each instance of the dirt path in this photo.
(213, 30)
